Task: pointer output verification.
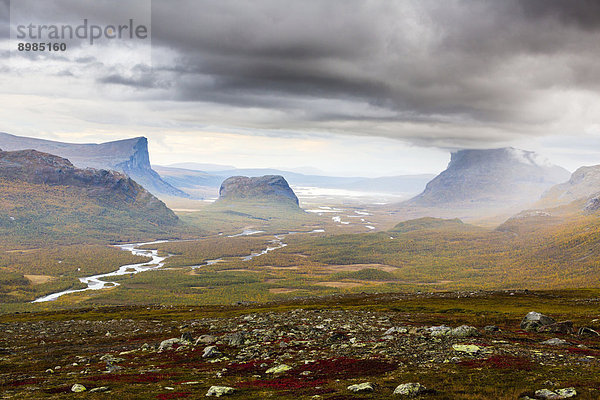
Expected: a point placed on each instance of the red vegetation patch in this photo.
(346, 368)
(500, 362)
(131, 378)
(586, 352)
(59, 389)
(284, 383)
(173, 395)
(248, 368)
(23, 382)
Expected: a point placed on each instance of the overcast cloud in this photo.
(434, 74)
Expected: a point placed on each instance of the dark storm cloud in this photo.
(428, 71)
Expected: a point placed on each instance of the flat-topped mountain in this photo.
(45, 195)
(129, 156)
(584, 182)
(497, 178)
(265, 189)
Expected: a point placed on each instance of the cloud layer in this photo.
(450, 74)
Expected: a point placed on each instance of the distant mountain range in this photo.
(491, 179)
(192, 179)
(46, 198)
(129, 156)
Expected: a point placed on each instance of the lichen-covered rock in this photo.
(409, 389)
(211, 352)
(218, 391)
(464, 331)
(361, 387)
(78, 388)
(278, 369)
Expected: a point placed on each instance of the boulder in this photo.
(534, 320)
(211, 352)
(555, 342)
(409, 389)
(218, 391)
(464, 331)
(361, 387)
(278, 369)
(564, 327)
(78, 388)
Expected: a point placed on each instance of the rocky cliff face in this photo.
(265, 189)
(129, 156)
(35, 182)
(584, 183)
(490, 178)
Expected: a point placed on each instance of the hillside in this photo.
(45, 198)
(493, 179)
(584, 183)
(129, 156)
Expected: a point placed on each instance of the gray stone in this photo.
(211, 352)
(236, 339)
(491, 328)
(534, 320)
(464, 331)
(100, 389)
(78, 388)
(586, 331)
(564, 327)
(567, 392)
(205, 339)
(361, 387)
(278, 369)
(555, 342)
(168, 344)
(410, 389)
(218, 391)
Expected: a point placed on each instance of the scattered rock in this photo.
(556, 395)
(100, 389)
(187, 337)
(555, 342)
(586, 331)
(410, 389)
(278, 369)
(466, 348)
(205, 339)
(218, 391)
(78, 388)
(491, 328)
(534, 320)
(168, 344)
(464, 331)
(211, 352)
(361, 387)
(567, 392)
(564, 327)
(236, 339)
(439, 330)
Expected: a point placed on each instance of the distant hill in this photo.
(193, 176)
(129, 156)
(268, 189)
(44, 197)
(428, 223)
(498, 178)
(584, 183)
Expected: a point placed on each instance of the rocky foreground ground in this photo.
(340, 348)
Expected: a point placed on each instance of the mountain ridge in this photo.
(129, 156)
(493, 178)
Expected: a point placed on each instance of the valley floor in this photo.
(311, 348)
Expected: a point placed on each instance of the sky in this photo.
(347, 87)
